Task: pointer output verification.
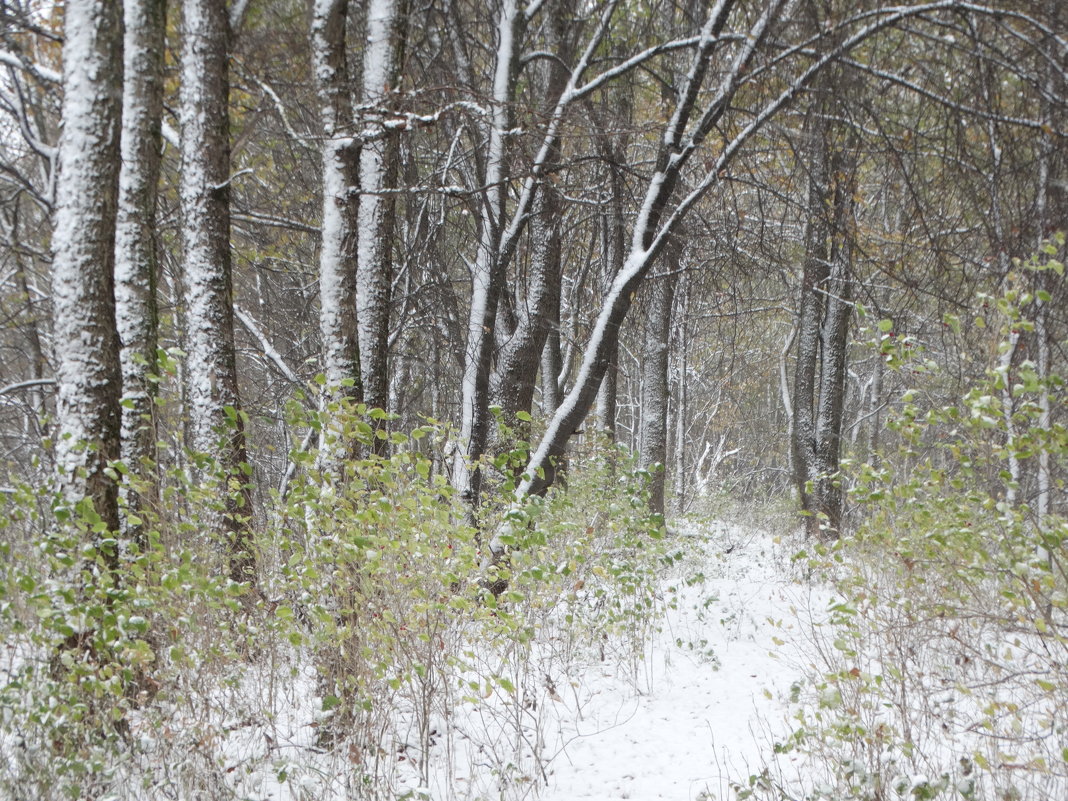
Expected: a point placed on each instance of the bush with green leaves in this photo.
(390, 580)
(105, 636)
(135, 667)
(944, 665)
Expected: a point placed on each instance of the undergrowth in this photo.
(370, 658)
(942, 671)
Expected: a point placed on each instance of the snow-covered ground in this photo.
(695, 703)
(718, 677)
(676, 708)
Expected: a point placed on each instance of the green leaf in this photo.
(331, 702)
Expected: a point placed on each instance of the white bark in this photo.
(211, 370)
(340, 160)
(1008, 412)
(383, 53)
(87, 347)
(136, 260)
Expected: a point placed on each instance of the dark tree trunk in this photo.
(826, 306)
(512, 384)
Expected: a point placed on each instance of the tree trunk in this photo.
(614, 243)
(337, 249)
(136, 259)
(654, 401)
(386, 30)
(340, 162)
(216, 423)
(487, 270)
(512, 384)
(682, 398)
(823, 325)
(88, 375)
(552, 364)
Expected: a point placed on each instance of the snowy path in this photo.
(715, 688)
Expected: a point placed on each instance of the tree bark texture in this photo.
(216, 424)
(341, 177)
(136, 258)
(654, 401)
(88, 375)
(823, 324)
(383, 56)
(513, 380)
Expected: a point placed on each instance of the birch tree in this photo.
(383, 56)
(216, 422)
(338, 237)
(87, 346)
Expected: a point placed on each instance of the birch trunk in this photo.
(216, 424)
(386, 29)
(136, 259)
(88, 375)
(337, 249)
(340, 163)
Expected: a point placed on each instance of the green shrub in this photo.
(944, 666)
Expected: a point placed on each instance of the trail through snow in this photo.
(717, 681)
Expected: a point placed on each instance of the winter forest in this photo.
(518, 399)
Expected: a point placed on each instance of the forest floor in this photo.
(688, 706)
(693, 712)
(714, 696)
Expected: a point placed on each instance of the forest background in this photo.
(324, 313)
